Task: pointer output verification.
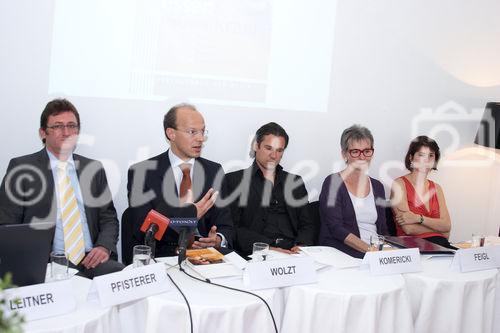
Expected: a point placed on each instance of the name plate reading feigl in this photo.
(394, 261)
(40, 300)
(280, 273)
(476, 259)
(131, 284)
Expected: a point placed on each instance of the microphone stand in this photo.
(149, 239)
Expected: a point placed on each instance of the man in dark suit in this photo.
(180, 183)
(55, 185)
(268, 204)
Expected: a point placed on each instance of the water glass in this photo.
(260, 252)
(59, 266)
(477, 240)
(377, 242)
(142, 255)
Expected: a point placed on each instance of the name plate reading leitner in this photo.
(394, 261)
(280, 273)
(40, 300)
(476, 259)
(131, 284)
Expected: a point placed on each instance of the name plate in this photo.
(129, 285)
(40, 300)
(280, 273)
(476, 259)
(393, 261)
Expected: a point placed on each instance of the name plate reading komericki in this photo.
(476, 259)
(394, 261)
(131, 284)
(280, 273)
(40, 300)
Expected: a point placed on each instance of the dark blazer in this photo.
(35, 199)
(338, 218)
(249, 214)
(151, 185)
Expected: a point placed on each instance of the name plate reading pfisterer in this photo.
(40, 300)
(131, 284)
(394, 261)
(476, 259)
(280, 273)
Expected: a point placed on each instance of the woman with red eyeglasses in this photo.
(418, 203)
(351, 202)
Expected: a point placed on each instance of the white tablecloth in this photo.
(343, 300)
(446, 301)
(348, 300)
(214, 309)
(89, 317)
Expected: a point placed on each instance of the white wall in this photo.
(391, 60)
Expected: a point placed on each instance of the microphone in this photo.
(152, 230)
(184, 227)
(154, 226)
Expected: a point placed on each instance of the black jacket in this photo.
(246, 188)
(151, 185)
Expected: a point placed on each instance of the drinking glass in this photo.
(377, 242)
(260, 252)
(142, 255)
(477, 240)
(59, 265)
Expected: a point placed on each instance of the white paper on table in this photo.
(235, 259)
(331, 257)
(219, 270)
(492, 240)
(437, 256)
(277, 255)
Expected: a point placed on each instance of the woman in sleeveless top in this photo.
(351, 202)
(418, 203)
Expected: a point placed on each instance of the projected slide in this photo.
(272, 54)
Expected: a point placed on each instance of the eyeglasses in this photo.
(60, 127)
(357, 152)
(193, 132)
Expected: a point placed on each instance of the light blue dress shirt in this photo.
(58, 244)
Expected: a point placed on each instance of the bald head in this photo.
(185, 129)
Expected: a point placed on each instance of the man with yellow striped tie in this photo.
(54, 184)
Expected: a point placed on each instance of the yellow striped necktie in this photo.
(70, 216)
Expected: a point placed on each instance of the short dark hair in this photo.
(273, 129)
(55, 107)
(416, 144)
(170, 118)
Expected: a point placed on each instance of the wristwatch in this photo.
(283, 243)
(421, 219)
(277, 242)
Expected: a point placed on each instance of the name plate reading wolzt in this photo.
(394, 261)
(132, 284)
(280, 273)
(41, 300)
(476, 259)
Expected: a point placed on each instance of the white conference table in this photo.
(348, 300)
(89, 316)
(344, 300)
(447, 301)
(214, 309)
